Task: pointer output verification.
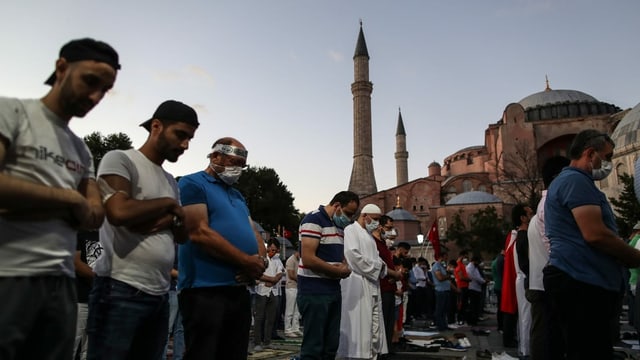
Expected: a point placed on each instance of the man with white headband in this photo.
(223, 253)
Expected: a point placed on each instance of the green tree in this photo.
(487, 231)
(270, 202)
(458, 232)
(100, 145)
(626, 206)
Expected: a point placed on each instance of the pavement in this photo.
(481, 344)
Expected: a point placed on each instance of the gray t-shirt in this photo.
(43, 150)
(142, 261)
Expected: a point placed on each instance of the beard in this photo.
(166, 150)
(72, 104)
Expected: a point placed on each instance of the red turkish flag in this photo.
(434, 238)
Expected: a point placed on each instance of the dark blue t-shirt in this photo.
(569, 251)
(229, 216)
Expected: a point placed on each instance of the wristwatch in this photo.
(177, 222)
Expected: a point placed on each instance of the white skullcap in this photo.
(371, 209)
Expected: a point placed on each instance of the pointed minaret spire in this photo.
(402, 172)
(546, 79)
(363, 180)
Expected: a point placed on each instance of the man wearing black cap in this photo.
(48, 192)
(128, 304)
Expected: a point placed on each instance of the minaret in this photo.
(402, 172)
(363, 181)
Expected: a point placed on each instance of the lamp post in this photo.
(420, 238)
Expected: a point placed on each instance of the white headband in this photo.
(230, 150)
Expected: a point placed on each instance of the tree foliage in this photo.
(270, 202)
(485, 233)
(626, 206)
(100, 145)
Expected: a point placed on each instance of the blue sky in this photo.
(277, 74)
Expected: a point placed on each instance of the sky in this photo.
(276, 74)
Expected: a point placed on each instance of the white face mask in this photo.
(230, 175)
(603, 172)
(372, 226)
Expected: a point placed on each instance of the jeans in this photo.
(82, 341)
(442, 305)
(291, 313)
(217, 321)
(321, 321)
(38, 317)
(175, 328)
(125, 323)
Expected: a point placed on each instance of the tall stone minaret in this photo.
(402, 172)
(363, 181)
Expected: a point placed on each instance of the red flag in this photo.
(434, 238)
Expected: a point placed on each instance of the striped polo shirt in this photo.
(318, 225)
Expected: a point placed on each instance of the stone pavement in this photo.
(490, 343)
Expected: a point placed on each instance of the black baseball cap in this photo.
(173, 110)
(87, 49)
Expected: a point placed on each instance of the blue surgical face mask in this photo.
(341, 220)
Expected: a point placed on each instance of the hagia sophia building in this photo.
(500, 173)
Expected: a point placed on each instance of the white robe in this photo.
(362, 333)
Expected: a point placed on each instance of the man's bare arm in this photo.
(82, 269)
(314, 263)
(197, 224)
(599, 236)
(24, 200)
(142, 216)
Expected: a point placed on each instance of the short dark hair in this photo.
(552, 168)
(345, 197)
(518, 211)
(586, 139)
(384, 219)
(273, 241)
(404, 245)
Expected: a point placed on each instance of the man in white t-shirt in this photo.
(128, 305)
(47, 193)
(267, 298)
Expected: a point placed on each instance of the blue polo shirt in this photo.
(229, 216)
(318, 225)
(569, 251)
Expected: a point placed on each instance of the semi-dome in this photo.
(474, 197)
(400, 214)
(627, 133)
(551, 97)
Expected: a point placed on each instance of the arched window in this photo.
(467, 186)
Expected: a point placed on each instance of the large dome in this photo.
(400, 214)
(627, 133)
(551, 97)
(474, 197)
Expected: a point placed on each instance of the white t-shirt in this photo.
(43, 150)
(142, 261)
(275, 267)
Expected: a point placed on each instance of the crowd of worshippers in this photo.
(109, 263)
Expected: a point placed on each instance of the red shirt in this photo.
(388, 284)
(460, 272)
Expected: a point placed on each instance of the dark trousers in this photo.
(442, 302)
(463, 304)
(475, 306)
(266, 311)
(38, 317)
(583, 312)
(509, 330)
(216, 322)
(545, 336)
(421, 301)
(499, 314)
(388, 314)
(321, 321)
(126, 323)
